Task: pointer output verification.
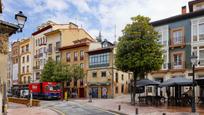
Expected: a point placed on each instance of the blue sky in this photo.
(92, 15)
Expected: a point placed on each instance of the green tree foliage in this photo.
(48, 71)
(61, 72)
(58, 72)
(138, 49)
(77, 72)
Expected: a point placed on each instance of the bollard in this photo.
(136, 111)
(118, 107)
(164, 114)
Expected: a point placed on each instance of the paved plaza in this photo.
(124, 102)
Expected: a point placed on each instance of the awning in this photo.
(98, 83)
(181, 81)
(146, 82)
(200, 81)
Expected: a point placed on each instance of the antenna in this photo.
(115, 33)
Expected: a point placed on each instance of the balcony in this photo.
(177, 42)
(57, 49)
(36, 67)
(49, 51)
(179, 66)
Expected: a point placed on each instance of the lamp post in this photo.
(194, 62)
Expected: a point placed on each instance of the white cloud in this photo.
(111, 12)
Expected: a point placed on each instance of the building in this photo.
(63, 37)
(103, 78)
(15, 50)
(40, 46)
(181, 35)
(26, 68)
(9, 70)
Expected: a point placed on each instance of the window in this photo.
(81, 83)
(50, 48)
(177, 37)
(94, 74)
(81, 55)
(28, 79)
(23, 69)
(75, 56)
(36, 42)
(24, 79)
(177, 60)
(201, 31)
(22, 49)
(27, 68)
(82, 65)
(116, 89)
(122, 77)
(57, 46)
(58, 58)
(68, 56)
(27, 48)
(27, 58)
(103, 74)
(99, 60)
(23, 59)
(194, 28)
(116, 77)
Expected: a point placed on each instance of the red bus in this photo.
(45, 90)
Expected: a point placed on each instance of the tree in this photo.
(61, 72)
(48, 71)
(77, 72)
(138, 50)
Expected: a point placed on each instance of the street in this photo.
(73, 108)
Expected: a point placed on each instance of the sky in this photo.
(107, 16)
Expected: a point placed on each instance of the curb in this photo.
(57, 111)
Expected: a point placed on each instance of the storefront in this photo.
(100, 90)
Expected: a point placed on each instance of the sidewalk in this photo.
(19, 109)
(126, 108)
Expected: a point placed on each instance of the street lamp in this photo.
(194, 62)
(21, 19)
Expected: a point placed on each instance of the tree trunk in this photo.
(134, 88)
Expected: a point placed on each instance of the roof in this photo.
(52, 32)
(73, 46)
(191, 3)
(42, 30)
(100, 50)
(182, 81)
(178, 18)
(11, 28)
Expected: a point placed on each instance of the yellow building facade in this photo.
(26, 68)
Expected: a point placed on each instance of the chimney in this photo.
(183, 10)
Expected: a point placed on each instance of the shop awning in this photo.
(99, 83)
(200, 81)
(181, 81)
(147, 82)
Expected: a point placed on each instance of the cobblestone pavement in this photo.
(73, 108)
(19, 109)
(124, 101)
